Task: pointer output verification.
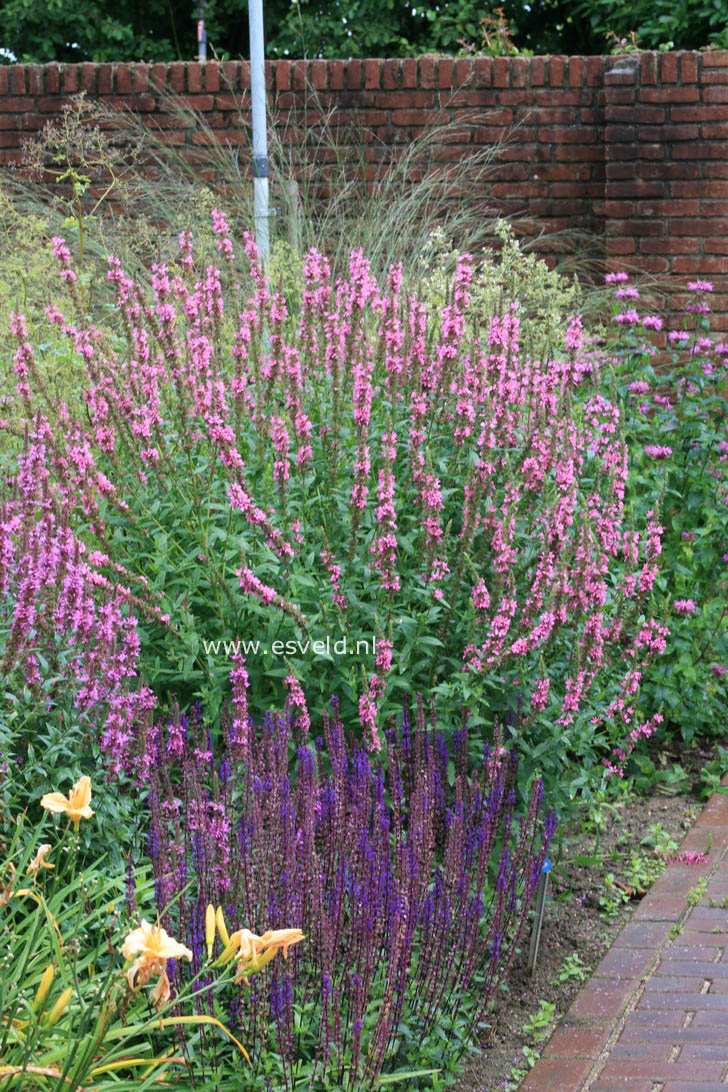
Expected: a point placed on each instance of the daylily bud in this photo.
(209, 928)
(221, 927)
(45, 984)
(60, 1006)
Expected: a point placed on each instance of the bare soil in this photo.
(574, 922)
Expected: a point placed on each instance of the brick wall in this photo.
(632, 150)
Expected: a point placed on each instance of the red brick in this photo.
(615, 170)
(668, 68)
(708, 150)
(655, 1051)
(483, 71)
(372, 75)
(199, 103)
(501, 72)
(412, 117)
(409, 72)
(428, 74)
(577, 67)
(689, 67)
(283, 75)
(141, 77)
(14, 105)
(229, 75)
(36, 79)
(194, 77)
(669, 94)
(336, 75)
(620, 134)
(70, 78)
(576, 1041)
(445, 73)
(51, 104)
(353, 74)
(631, 115)
(18, 80)
(538, 71)
(519, 72)
(717, 58)
(621, 1086)
(703, 1052)
(463, 72)
(557, 71)
(391, 71)
(594, 71)
(212, 76)
(601, 1000)
(648, 68)
(552, 1073)
(123, 79)
(158, 76)
(715, 93)
(318, 73)
(177, 77)
(624, 962)
(675, 982)
(578, 153)
(88, 77)
(668, 133)
(662, 1071)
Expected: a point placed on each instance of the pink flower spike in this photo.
(656, 451)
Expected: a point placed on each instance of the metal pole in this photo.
(538, 917)
(260, 135)
(201, 35)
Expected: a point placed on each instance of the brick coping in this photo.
(625, 1029)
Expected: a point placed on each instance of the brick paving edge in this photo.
(581, 1043)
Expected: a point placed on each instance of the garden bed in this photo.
(576, 933)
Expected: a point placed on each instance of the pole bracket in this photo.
(260, 166)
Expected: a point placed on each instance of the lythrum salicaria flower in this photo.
(154, 947)
(75, 805)
(684, 606)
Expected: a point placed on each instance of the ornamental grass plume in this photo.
(412, 885)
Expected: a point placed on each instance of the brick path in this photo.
(654, 1015)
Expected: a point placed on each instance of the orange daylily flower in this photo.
(155, 946)
(251, 951)
(39, 861)
(75, 805)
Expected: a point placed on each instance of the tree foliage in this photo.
(163, 30)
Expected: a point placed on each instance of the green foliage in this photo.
(511, 275)
(658, 24)
(572, 970)
(697, 894)
(157, 31)
(66, 1013)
